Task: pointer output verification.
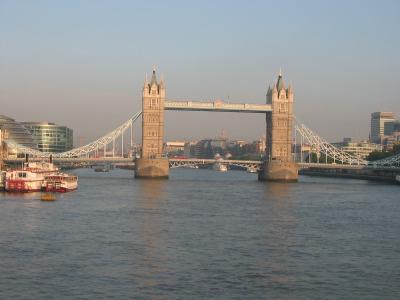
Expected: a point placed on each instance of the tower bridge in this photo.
(282, 132)
(278, 165)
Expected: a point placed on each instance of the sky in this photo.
(83, 63)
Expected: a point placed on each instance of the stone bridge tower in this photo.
(279, 164)
(152, 164)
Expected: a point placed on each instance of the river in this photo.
(202, 235)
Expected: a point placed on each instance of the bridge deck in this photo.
(217, 106)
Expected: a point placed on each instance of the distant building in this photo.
(17, 133)
(379, 126)
(208, 148)
(174, 147)
(51, 137)
(358, 148)
(392, 127)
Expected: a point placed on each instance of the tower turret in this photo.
(152, 164)
(279, 163)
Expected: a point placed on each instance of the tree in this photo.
(377, 155)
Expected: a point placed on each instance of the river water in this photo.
(202, 235)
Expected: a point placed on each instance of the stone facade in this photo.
(279, 164)
(153, 99)
(151, 164)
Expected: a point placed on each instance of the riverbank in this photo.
(388, 175)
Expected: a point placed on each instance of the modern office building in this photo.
(51, 137)
(378, 128)
(17, 133)
(392, 127)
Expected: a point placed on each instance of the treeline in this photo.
(376, 155)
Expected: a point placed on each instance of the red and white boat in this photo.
(30, 178)
(60, 183)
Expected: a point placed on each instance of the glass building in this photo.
(17, 133)
(51, 137)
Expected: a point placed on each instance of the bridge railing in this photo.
(319, 145)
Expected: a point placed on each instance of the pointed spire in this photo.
(274, 89)
(290, 88)
(280, 71)
(145, 80)
(280, 84)
(153, 78)
(162, 80)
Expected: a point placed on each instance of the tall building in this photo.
(17, 133)
(51, 137)
(378, 128)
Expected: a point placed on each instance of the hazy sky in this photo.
(82, 63)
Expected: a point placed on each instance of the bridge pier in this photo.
(279, 171)
(148, 168)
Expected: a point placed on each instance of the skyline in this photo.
(342, 70)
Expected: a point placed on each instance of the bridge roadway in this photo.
(182, 162)
(217, 105)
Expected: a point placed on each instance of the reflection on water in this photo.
(151, 197)
(278, 190)
(202, 235)
(151, 192)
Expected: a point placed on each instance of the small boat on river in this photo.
(48, 197)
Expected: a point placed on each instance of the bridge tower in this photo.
(279, 164)
(152, 164)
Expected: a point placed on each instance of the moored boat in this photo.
(60, 183)
(30, 178)
(251, 170)
(102, 168)
(220, 167)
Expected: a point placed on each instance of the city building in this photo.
(51, 137)
(392, 127)
(175, 148)
(358, 148)
(379, 128)
(17, 133)
(189, 149)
